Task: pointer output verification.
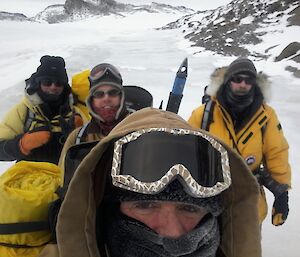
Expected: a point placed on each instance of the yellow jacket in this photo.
(13, 126)
(260, 139)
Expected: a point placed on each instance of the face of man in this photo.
(106, 101)
(168, 219)
(51, 87)
(241, 84)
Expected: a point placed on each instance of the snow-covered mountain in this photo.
(12, 16)
(231, 29)
(240, 28)
(74, 10)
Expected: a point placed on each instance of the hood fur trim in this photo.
(34, 99)
(217, 79)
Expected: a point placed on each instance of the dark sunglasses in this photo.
(240, 79)
(112, 93)
(49, 82)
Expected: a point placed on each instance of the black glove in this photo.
(280, 209)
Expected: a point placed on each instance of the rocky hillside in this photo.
(12, 16)
(239, 28)
(81, 9)
(232, 29)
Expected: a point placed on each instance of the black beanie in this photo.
(50, 67)
(174, 192)
(240, 65)
(53, 67)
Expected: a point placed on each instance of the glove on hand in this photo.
(32, 140)
(280, 209)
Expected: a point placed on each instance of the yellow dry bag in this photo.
(26, 190)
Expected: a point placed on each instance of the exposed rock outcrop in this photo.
(13, 16)
(228, 30)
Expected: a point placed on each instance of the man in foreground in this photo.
(155, 187)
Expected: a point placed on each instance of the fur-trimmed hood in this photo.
(34, 100)
(217, 80)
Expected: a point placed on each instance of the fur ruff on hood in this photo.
(35, 99)
(217, 79)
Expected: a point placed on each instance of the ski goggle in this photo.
(104, 71)
(146, 161)
(240, 79)
(112, 93)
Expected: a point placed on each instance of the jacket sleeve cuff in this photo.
(10, 150)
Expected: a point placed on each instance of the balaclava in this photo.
(105, 74)
(127, 237)
(238, 103)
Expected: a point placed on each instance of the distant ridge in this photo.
(232, 29)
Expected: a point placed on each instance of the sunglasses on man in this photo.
(48, 82)
(239, 79)
(112, 93)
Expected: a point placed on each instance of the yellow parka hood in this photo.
(217, 80)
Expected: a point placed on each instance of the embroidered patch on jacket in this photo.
(250, 159)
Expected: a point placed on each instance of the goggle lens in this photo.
(150, 156)
(147, 161)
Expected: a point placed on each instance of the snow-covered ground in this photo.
(148, 58)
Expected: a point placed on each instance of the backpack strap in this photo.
(23, 227)
(29, 119)
(80, 133)
(208, 115)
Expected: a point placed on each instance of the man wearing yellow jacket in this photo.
(35, 129)
(238, 114)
